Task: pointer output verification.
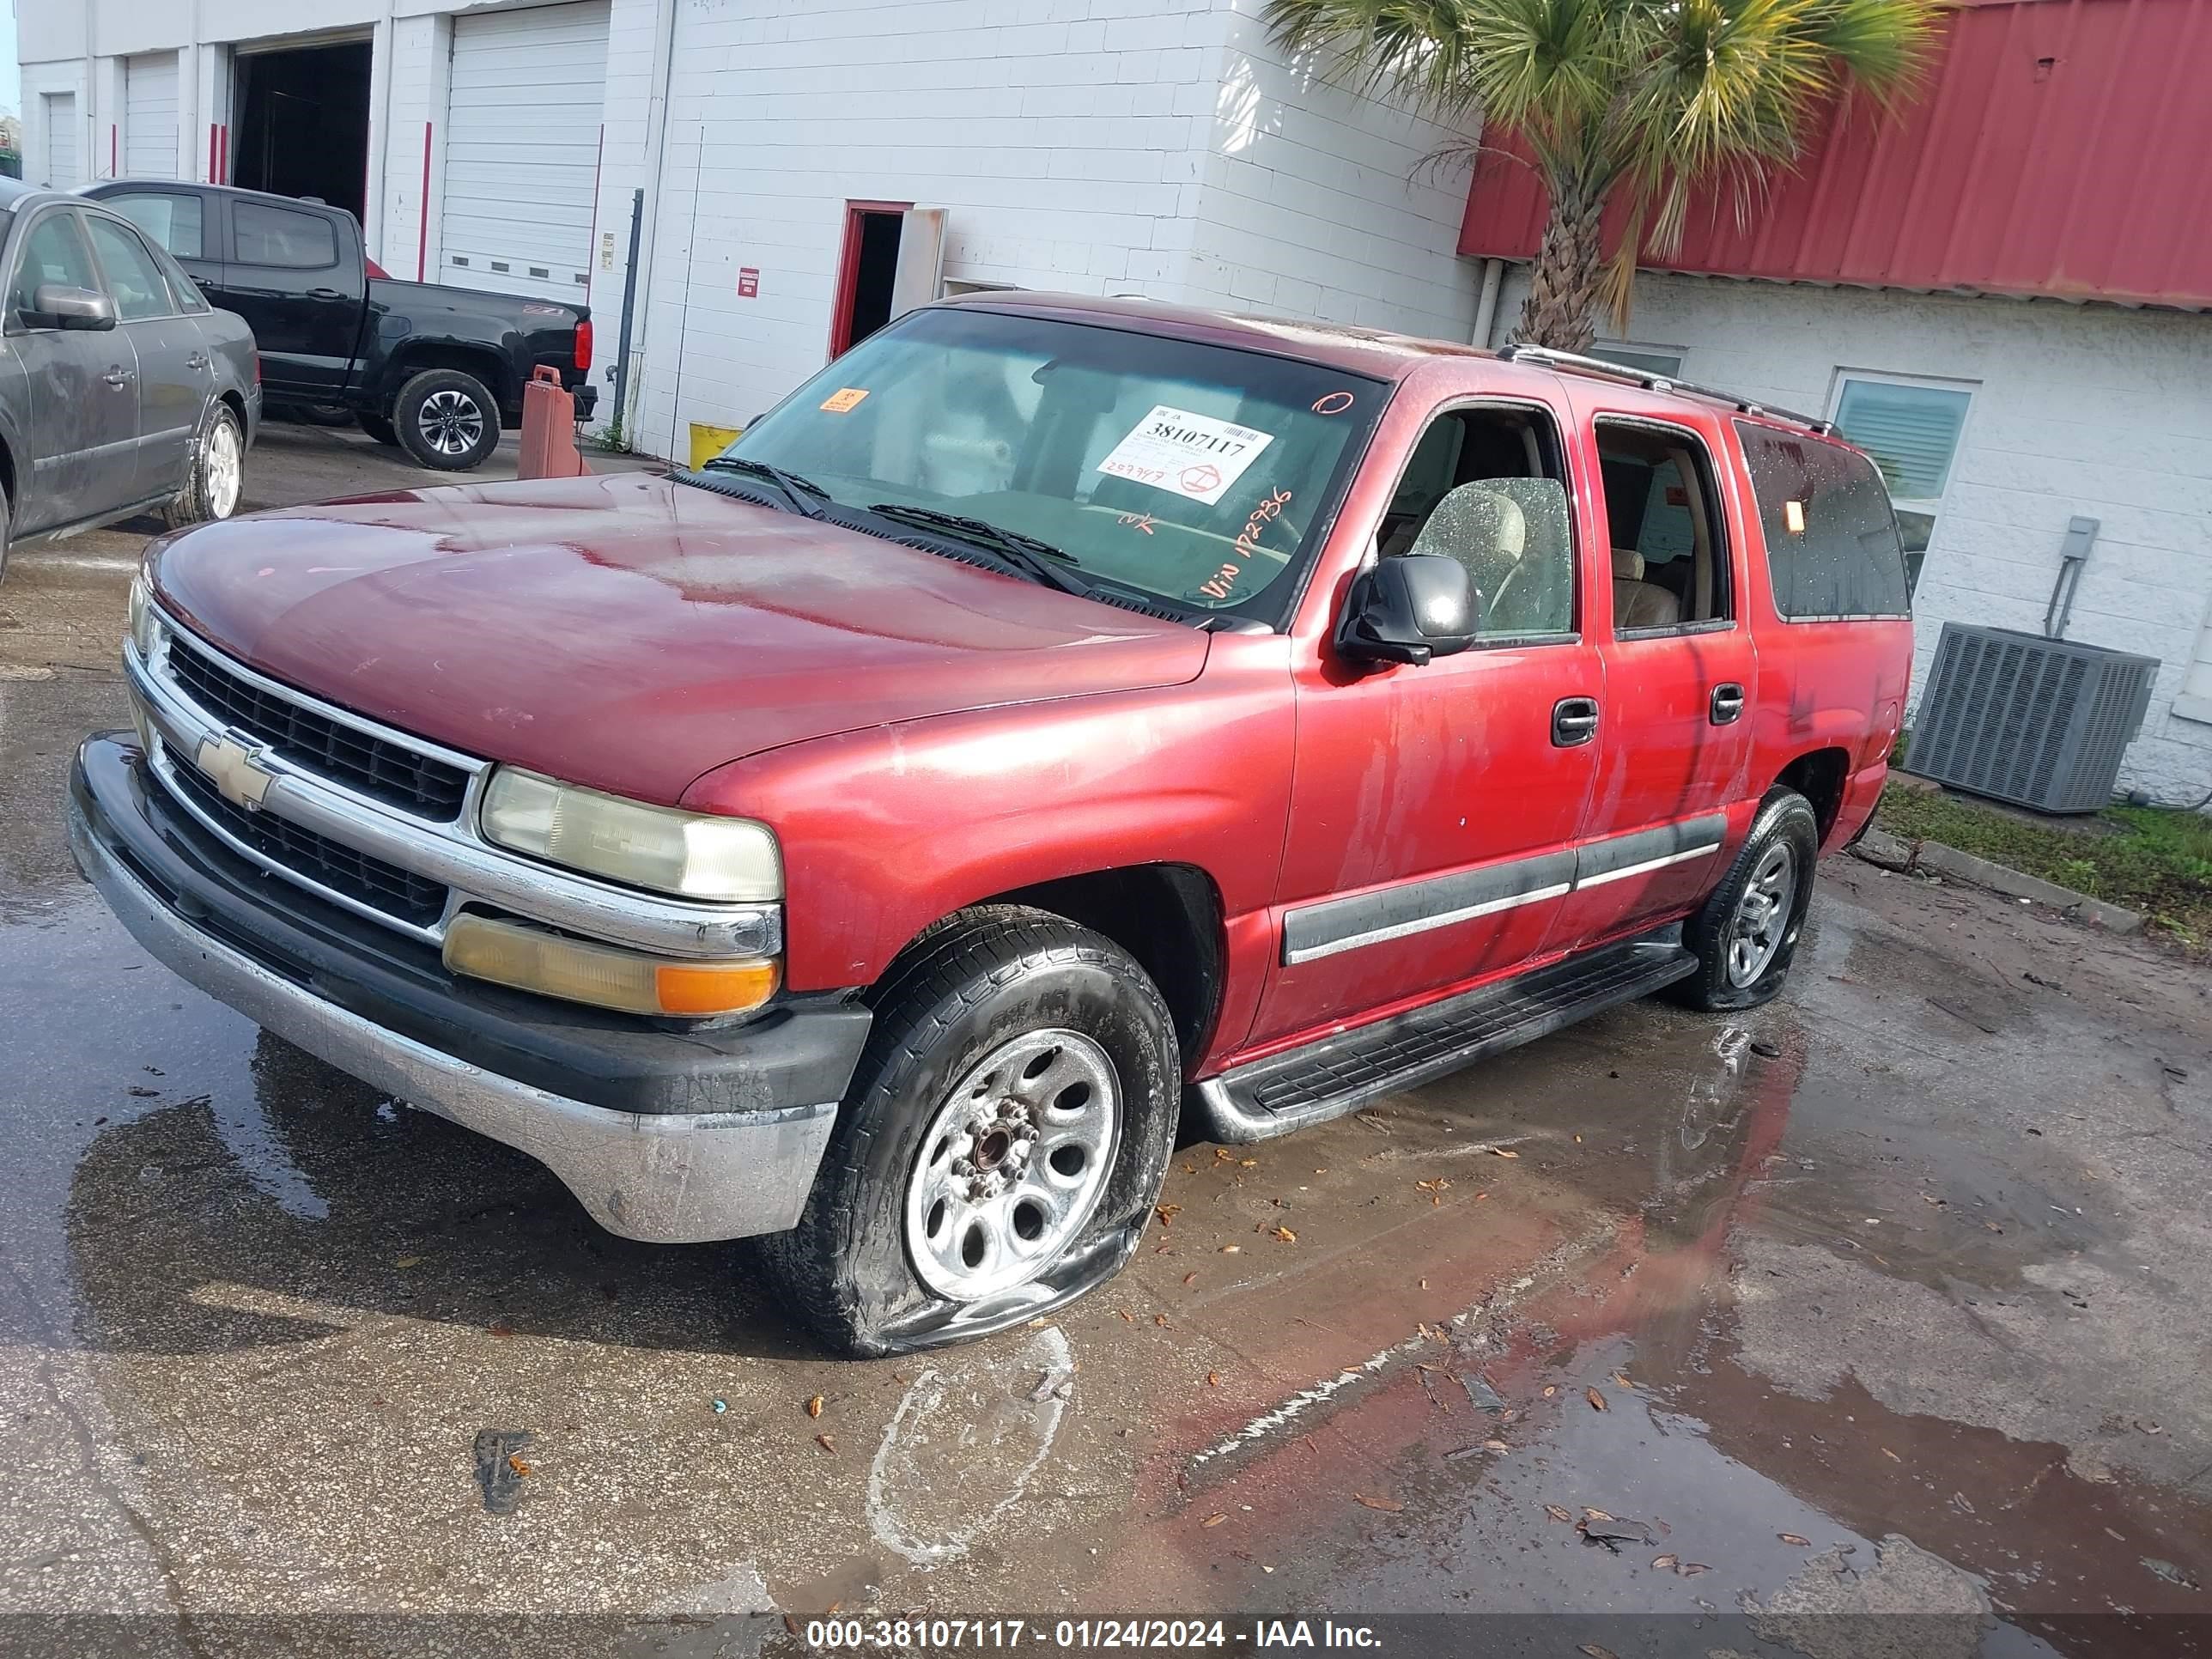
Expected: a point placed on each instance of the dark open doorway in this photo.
(867, 271)
(302, 127)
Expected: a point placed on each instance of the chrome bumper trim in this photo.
(673, 1178)
(452, 854)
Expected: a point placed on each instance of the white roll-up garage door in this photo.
(522, 150)
(62, 141)
(150, 116)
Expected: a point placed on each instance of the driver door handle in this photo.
(1727, 704)
(324, 294)
(1574, 721)
(197, 359)
(119, 378)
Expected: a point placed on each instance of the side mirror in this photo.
(64, 307)
(1407, 609)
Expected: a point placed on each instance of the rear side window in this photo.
(279, 236)
(173, 222)
(1832, 549)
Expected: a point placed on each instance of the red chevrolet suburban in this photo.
(1057, 717)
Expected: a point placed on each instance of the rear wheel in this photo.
(1747, 931)
(446, 419)
(217, 477)
(379, 426)
(1003, 1142)
(7, 517)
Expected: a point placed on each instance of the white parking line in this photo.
(81, 561)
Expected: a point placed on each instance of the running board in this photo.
(1341, 1074)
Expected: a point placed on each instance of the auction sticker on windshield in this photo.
(1193, 456)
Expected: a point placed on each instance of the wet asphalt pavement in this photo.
(1888, 1298)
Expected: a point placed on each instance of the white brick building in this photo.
(1162, 148)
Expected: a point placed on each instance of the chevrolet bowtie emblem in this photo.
(232, 768)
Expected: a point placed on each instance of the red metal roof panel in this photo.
(2057, 149)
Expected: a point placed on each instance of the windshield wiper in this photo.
(1039, 560)
(797, 489)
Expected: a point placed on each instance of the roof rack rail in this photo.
(1575, 363)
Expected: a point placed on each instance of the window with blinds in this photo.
(1911, 429)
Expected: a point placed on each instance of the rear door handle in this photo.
(1728, 704)
(1574, 721)
(324, 294)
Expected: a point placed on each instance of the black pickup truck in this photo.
(436, 370)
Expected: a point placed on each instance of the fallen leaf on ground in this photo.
(1424, 1284)
(1159, 1318)
(1479, 1197)
(1231, 1249)
(1691, 1569)
(1621, 1377)
(1248, 1163)
(1589, 1514)
(1597, 1652)
(1596, 1400)
(1190, 1169)
(1213, 1379)
(1287, 1235)
(407, 1261)
(1213, 1520)
(1891, 1456)
(1662, 1563)
(790, 1624)
(1557, 1513)
(1167, 1212)
(1389, 1505)
(825, 1442)
(1502, 1151)
(1496, 1445)
(1187, 1278)
(518, 1466)
(1128, 1316)
(1792, 1538)
(1223, 1155)
(814, 1407)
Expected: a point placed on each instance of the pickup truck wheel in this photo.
(378, 427)
(446, 419)
(217, 477)
(1746, 932)
(1002, 1144)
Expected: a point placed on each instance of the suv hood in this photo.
(630, 633)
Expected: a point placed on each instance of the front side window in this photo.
(1670, 567)
(1911, 429)
(170, 221)
(133, 278)
(280, 236)
(54, 251)
(1200, 475)
(1486, 486)
(1832, 548)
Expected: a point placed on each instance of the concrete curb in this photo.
(1888, 851)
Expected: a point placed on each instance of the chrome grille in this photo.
(369, 765)
(413, 899)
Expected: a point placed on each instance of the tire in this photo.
(885, 1257)
(217, 479)
(323, 414)
(446, 420)
(7, 519)
(1746, 932)
(380, 427)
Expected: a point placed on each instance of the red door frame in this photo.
(849, 270)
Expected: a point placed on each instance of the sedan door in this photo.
(81, 427)
(174, 377)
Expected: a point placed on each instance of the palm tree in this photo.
(1650, 97)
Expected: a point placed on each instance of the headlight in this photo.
(694, 854)
(554, 965)
(145, 631)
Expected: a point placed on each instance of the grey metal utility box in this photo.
(2040, 723)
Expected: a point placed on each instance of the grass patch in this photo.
(2147, 859)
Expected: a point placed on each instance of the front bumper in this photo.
(322, 980)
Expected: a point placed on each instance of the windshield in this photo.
(1199, 474)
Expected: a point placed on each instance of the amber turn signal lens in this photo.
(554, 965)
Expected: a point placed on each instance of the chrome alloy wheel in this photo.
(225, 465)
(1762, 915)
(451, 421)
(1012, 1165)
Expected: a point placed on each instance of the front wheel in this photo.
(217, 477)
(446, 419)
(1002, 1144)
(1747, 932)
